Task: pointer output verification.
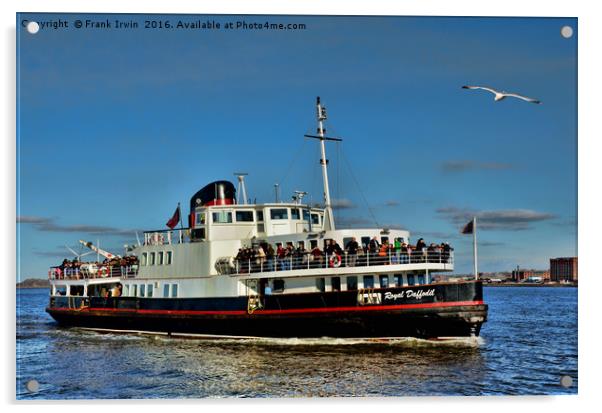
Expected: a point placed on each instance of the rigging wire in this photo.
(360, 189)
(298, 154)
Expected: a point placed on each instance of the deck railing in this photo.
(309, 261)
(92, 271)
(166, 237)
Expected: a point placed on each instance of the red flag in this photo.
(175, 219)
(468, 228)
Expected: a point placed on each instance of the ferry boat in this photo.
(277, 269)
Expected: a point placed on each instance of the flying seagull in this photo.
(501, 95)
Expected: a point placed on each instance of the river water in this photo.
(528, 344)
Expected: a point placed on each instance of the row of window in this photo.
(147, 290)
(226, 217)
(352, 282)
(156, 258)
(314, 243)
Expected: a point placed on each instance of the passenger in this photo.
(397, 249)
(260, 254)
(373, 249)
(351, 249)
(383, 253)
(403, 257)
(446, 252)
(290, 252)
(431, 253)
(123, 265)
(412, 257)
(316, 255)
(301, 257)
(281, 255)
(270, 257)
(239, 261)
(421, 249)
(336, 247)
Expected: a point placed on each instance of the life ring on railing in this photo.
(103, 272)
(335, 261)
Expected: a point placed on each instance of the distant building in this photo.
(519, 275)
(563, 269)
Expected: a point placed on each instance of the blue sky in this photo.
(115, 127)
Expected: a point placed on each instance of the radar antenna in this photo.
(298, 197)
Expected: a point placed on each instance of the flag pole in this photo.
(474, 246)
(180, 213)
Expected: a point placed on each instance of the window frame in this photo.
(321, 284)
(272, 215)
(226, 213)
(246, 211)
(354, 283)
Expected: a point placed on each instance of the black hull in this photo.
(335, 314)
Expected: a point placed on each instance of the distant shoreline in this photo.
(529, 285)
(33, 283)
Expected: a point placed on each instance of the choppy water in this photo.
(528, 344)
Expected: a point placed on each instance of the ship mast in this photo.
(321, 115)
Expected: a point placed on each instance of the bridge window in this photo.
(168, 257)
(352, 283)
(335, 283)
(160, 258)
(200, 218)
(222, 217)
(306, 215)
(244, 216)
(368, 281)
(152, 259)
(174, 290)
(384, 281)
(260, 216)
(321, 284)
(315, 219)
(295, 213)
(144, 258)
(279, 213)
